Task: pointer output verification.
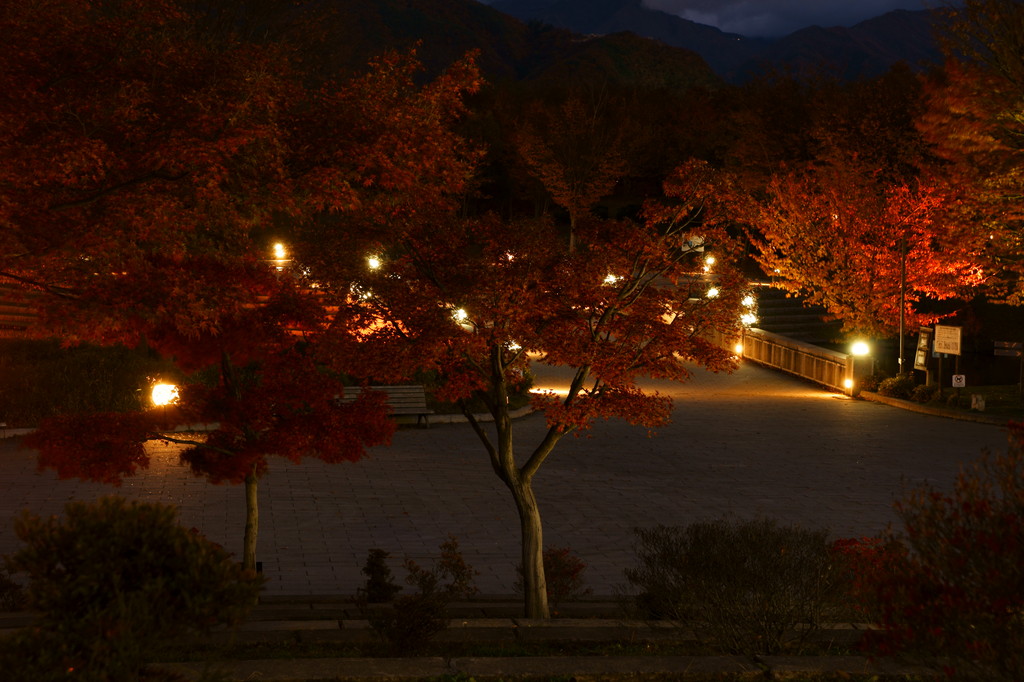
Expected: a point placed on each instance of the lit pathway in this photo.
(751, 443)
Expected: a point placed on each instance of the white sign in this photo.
(959, 380)
(947, 339)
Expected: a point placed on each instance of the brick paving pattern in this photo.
(747, 444)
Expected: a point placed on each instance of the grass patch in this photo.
(1000, 401)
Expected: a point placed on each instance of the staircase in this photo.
(791, 317)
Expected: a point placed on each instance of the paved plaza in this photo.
(746, 444)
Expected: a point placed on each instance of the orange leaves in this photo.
(840, 236)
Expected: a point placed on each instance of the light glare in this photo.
(164, 394)
(860, 348)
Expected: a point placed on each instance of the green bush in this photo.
(417, 617)
(924, 394)
(743, 586)
(956, 592)
(112, 580)
(40, 379)
(899, 386)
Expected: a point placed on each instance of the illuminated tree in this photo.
(975, 119)
(473, 299)
(148, 153)
(837, 238)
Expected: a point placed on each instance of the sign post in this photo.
(924, 343)
(947, 341)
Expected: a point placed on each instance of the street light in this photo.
(858, 349)
(164, 394)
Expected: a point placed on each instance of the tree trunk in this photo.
(535, 592)
(252, 522)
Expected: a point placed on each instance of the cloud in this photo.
(772, 18)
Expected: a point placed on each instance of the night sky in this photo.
(772, 18)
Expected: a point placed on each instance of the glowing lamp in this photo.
(738, 349)
(713, 292)
(848, 384)
(279, 251)
(164, 394)
(860, 348)
(373, 262)
(749, 301)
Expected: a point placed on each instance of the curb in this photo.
(911, 406)
(404, 421)
(546, 667)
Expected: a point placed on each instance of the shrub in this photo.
(112, 580)
(924, 394)
(870, 383)
(858, 562)
(957, 590)
(563, 575)
(742, 585)
(380, 585)
(899, 386)
(12, 594)
(416, 618)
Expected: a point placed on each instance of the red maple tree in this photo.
(147, 162)
(858, 245)
(473, 300)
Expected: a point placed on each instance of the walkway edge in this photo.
(911, 406)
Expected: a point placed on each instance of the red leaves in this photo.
(97, 447)
(953, 586)
(837, 235)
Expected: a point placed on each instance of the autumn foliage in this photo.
(850, 242)
(953, 586)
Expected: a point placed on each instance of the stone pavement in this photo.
(751, 443)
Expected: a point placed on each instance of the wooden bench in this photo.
(402, 400)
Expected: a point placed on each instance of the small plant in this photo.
(924, 394)
(899, 386)
(870, 383)
(112, 580)
(380, 582)
(12, 594)
(744, 586)
(416, 618)
(955, 589)
(563, 574)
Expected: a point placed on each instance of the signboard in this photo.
(947, 339)
(924, 340)
(1009, 349)
(959, 380)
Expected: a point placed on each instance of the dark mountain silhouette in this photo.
(509, 50)
(864, 50)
